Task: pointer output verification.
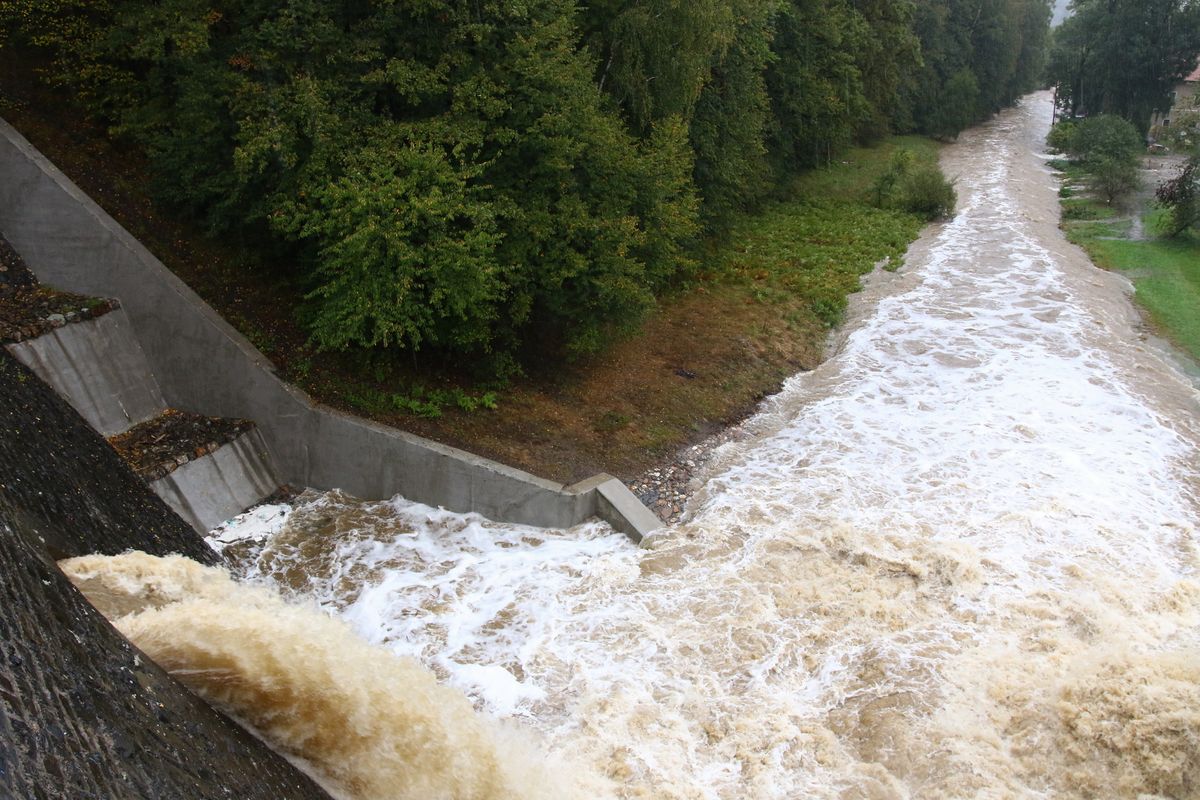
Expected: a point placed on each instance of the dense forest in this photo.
(484, 178)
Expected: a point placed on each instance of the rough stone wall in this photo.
(82, 713)
(86, 499)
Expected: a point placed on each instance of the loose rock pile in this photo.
(667, 488)
(161, 445)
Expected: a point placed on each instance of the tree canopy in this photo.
(473, 178)
(1123, 57)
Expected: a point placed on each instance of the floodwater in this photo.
(957, 560)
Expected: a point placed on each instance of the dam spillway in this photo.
(957, 560)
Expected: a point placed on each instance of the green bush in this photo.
(1061, 138)
(916, 186)
(1180, 196)
(1106, 148)
(926, 192)
(1105, 137)
(1112, 178)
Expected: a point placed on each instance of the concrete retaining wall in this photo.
(98, 367)
(204, 365)
(210, 490)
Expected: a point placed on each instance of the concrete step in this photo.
(206, 468)
(93, 360)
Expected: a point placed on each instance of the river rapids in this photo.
(958, 560)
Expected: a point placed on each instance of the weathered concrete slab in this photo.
(226, 482)
(71, 243)
(98, 367)
(614, 501)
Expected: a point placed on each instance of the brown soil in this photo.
(699, 364)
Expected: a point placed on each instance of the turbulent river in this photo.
(957, 560)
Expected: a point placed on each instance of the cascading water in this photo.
(958, 560)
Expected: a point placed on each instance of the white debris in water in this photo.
(255, 525)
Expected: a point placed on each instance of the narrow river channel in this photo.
(958, 560)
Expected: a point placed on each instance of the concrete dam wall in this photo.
(202, 364)
(83, 714)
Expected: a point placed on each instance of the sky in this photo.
(1060, 11)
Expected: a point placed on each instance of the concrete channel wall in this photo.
(236, 475)
(204, 365)
(100, 368)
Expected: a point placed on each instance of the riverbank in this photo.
(1165, 272)
(758, 310)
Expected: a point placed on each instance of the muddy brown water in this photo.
(957, 560)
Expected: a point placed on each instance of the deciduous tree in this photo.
(1123, 56)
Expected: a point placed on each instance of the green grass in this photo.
(1165, 274)
(816, 247)
(1084, 208)
(1084, 232)
(850, 176)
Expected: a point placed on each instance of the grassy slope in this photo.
(1165, 272)
(758, 311)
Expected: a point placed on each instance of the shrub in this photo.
(1112, 178)
(926, 192)
(885, 185)
(1180, 196)
(1105, 137)
(1061, 138)
(1106, 147)
(918, 187)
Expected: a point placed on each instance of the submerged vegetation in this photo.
(1165, 274)
(1105, 149)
